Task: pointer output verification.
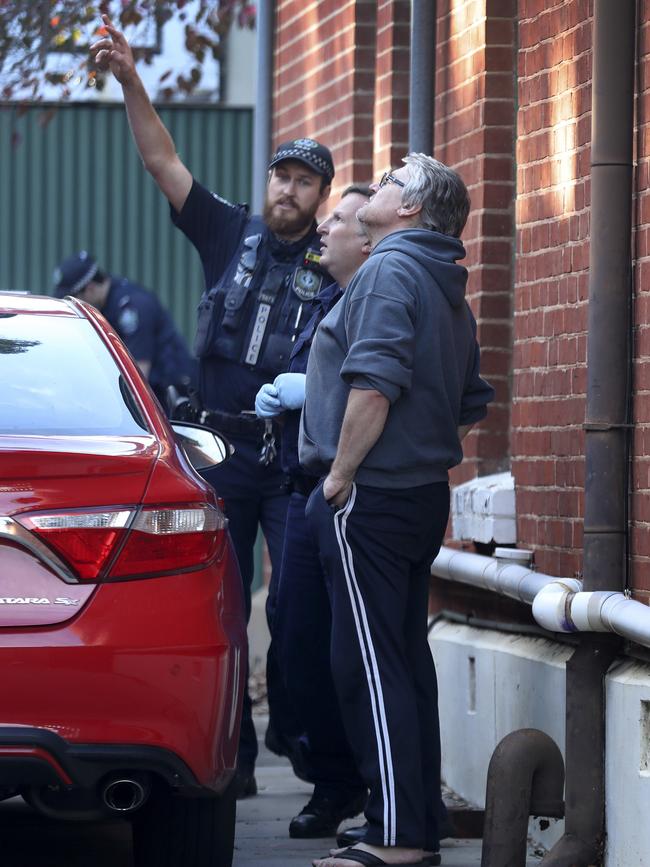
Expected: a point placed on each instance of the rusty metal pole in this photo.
(608, 338)
(525, 778)
(422, 88)
(606, 449)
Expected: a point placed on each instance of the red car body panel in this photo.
(42, 474)
(152, 662)
(143, 663)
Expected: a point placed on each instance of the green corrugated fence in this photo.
(71, 179)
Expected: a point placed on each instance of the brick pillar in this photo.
(392, 84)
(474, 133)
(550, 345)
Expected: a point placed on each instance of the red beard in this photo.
(293, 223)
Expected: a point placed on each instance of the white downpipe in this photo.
(559, 604)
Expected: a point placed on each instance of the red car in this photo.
(122, 629)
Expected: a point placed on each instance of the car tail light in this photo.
(85, 540)
(130, 543)
(171, 539)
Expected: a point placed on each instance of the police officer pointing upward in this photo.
(260, 273)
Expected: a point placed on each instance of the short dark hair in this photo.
(361, 189)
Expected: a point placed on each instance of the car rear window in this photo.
(57, 377)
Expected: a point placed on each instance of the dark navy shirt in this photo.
(216, 228)
(149, 334)
(322, 304)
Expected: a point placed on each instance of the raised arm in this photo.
(154, 143)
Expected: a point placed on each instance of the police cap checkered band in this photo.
(74, 273)
(307, 151)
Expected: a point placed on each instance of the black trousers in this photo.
(377, 551)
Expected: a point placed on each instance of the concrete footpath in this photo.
(262, 837)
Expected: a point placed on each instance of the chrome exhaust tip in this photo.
(125, 794)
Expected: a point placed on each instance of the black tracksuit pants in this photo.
(377, 551)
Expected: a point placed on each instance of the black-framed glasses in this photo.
(388, 178)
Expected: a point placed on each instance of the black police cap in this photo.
(74, 273)
(307, 151)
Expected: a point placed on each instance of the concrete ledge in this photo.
(490, 684)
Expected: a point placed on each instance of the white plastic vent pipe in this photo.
(559, 604)
(490, 573)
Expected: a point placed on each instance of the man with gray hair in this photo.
(393, 385)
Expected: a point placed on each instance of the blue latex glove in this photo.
(267, 403)
(290, 389)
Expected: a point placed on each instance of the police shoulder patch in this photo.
(128, 321)
(306, 283)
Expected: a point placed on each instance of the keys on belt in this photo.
(269, 450)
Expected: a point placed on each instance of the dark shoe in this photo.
(322, 816)
(245, 785)
(352, 836)
(290, 748)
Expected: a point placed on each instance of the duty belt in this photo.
(244, 425)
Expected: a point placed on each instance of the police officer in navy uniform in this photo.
(261, 272)
(138, 317)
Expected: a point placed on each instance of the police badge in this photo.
(306, 283)
(128, 321)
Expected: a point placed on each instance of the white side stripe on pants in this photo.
(372, 673)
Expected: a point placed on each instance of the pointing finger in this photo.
(116, 35)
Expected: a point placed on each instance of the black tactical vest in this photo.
(255, 311)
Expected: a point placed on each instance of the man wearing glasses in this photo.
(393, 385)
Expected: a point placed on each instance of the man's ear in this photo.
(325, 193)
(367, 248)
(409, 210)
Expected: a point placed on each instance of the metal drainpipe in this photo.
(605, 531)
(528, 765)
(423, 75)
(263, 102)
(605, 537)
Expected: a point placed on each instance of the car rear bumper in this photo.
(150, 669)
(36, 757)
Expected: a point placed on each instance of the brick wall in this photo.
(474, 133)
(324, 70)
(392, 84)
(550, 315)
(342, 74)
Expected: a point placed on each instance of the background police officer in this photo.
(260, 272)
(138, 317)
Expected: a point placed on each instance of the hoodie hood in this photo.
(435, 252)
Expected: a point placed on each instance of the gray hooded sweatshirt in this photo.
(403, 328)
